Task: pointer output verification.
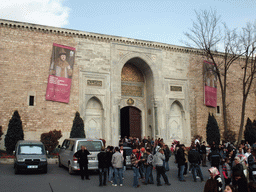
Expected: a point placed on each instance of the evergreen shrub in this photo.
(14, 132)
(77, 130)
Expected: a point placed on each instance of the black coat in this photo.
(180, 157)
(82, 156)
(102, 160)
(194, 157)
(109, 158)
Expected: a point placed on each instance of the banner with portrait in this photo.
(60, 73)
(210, 84)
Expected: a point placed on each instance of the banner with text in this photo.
(210, 84)
(60, 73)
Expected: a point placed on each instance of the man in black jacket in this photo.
(81, 155)
(109, 155)
(180, 159)
(195, 160)
(215, 158)
(103, 166)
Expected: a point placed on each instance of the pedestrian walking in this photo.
(103, 166)
(81, 155)
(160, 170)
(117, 162)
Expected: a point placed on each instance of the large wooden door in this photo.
(135, 122)
(130, 122)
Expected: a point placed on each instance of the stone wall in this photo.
(173, 84)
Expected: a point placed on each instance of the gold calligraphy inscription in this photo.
(131, 90)
(176, 88)
(94, 83)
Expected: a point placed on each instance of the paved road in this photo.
(60, 181)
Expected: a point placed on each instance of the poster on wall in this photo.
(60, 73)
(210, 84)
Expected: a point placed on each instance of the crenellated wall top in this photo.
(95, 36)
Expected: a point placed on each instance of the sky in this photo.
(163, 21)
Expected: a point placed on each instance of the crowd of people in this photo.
(237, 165)
(234, 164)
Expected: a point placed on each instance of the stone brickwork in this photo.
(171, 99)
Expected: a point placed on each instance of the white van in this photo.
(71, 146)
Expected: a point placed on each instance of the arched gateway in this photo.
(137, 96)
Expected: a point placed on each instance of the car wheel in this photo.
(60, 165)
(70, 171)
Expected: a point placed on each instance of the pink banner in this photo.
(60, 73)
(210, 96)
(210, 84)
(58, 89)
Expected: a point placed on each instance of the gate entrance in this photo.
(130, 122)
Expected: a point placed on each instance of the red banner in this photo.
(60, 73)
(210, 84)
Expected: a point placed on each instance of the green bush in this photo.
(50, 140)
(77, 130)
(14, 132)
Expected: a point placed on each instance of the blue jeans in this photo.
(166, 165)
(181, 171)
(135, 176)
(110, 173)
(103, 173)
(119, 172)
(149, 176)
(196, 169)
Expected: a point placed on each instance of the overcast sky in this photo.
(162, 21)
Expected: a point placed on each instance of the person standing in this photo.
(181, 162)
(81, 155)
(117, 162)
(203, 152)
(195, 160)
(149, 167)
(167, 154)
(226, 171)
(135, 167)
(214, 184)
(160, 170)
(109, 155)
(102, 165)
(123, 152)
(215, 158)
(252, 165)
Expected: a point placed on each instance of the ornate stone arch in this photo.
(94, 118)
(176, 121)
